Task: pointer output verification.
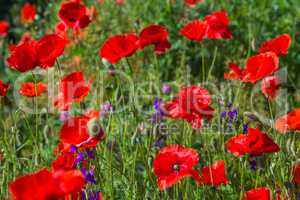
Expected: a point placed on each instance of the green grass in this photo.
(124, 159)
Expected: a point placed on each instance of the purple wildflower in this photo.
(91, 153)
(158, 114)
(245, 128)
(253, 164)
(79, 158)
(95, 196)
(166, 88)
(105, 109)
(89, 175)
(73, 149)
(83, 197)
(64, 115)
(160, 142)
(232, 114)
(298, 196)
(157, 104)
(223, 115)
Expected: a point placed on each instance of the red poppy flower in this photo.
(48, 48)
(270, 86)
(218, 25)
(28, 13)
(260, 66)
(65, 161)
(296, 174)
(3, 88)
(4, 26)
(47, 185)
(73, 88)
(262, 193)
(119, 46)
(194, 30)
(278, 196)
(192, 3)
(235, 72)
(120, 2)
(78, 130)
(31, 89)
(173, 163)
(23, 56)
(154, 35)
(60, 27)
(254, 142)
(191, 104)
(290, 121)
(278, 45)
(74, 14)
(214, 175)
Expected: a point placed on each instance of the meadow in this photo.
(106, 133)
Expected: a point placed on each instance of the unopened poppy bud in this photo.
(94, 127)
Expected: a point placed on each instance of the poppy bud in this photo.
(94, 127)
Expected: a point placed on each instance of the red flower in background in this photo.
(235, 72)
(254, 142)
(4, 27)
(60, 28)
(290, 121)
(29, 54)
(3, 88)
(23, 56)
(154, 35)
(218, 25)
(260, 66)
(78, 130)
(214, 26)
(48, 48)
(74, 14)
(262, 193)
(47, 185)
(270, 86)
(214, 175)
(31, 89)
(278, 45)
(73, 88)
(296, 174)
(28, 13)
(119, 46)
(192, 2)
(195, 30)
(120, 2)
(173, 163)
(191, 104)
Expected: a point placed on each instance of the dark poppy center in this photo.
(176, 167)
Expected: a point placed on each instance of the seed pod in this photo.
(94, 127)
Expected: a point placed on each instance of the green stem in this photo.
(129, 66)
(59, 68)
(203, 63)
(212, 63)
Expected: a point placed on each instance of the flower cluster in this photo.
(120, 46)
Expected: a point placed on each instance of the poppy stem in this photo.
(203, 63)
(271, 113)
(35, 82)
(59, 68)
(129, 65)
(212, 63)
